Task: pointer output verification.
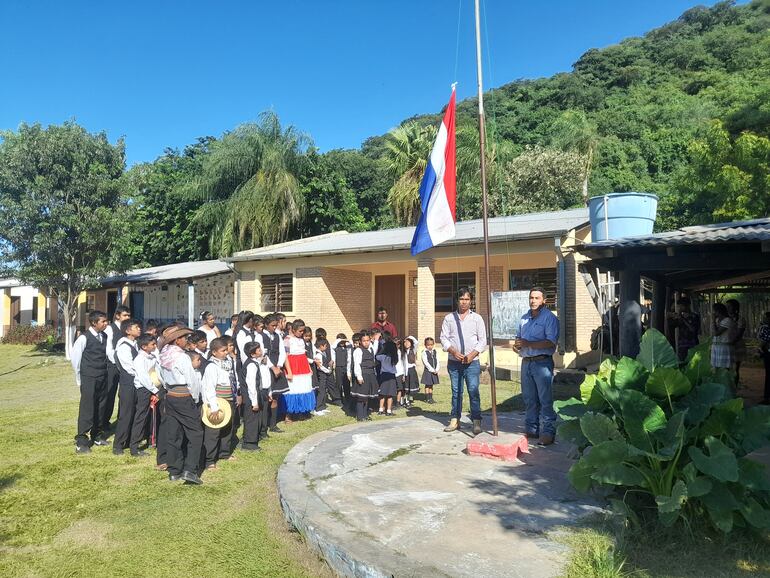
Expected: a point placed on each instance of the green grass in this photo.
(68, 515)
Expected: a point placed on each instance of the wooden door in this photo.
(390, 292)
(15, 311)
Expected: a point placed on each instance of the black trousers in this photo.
(141, 411)
(107, 404)
(126, 409)
(185, 434)
(161, 435)
(217, 441)
(253, 421)
(320, 394)
(334, 387)
(89, 419)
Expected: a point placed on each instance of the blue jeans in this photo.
(470, 373)
(536, 381)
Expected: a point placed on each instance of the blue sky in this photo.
(162, 73)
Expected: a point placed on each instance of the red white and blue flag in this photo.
(438, 188)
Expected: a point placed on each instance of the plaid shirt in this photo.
(721, 349)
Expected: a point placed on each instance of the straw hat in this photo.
(173, 333)
(227, 414)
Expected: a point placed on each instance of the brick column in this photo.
(42, 307)
(5, 308)
(426, 299)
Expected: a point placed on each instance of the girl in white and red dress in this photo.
(300, 397)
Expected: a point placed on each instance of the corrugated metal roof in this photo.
(528, 226)
(734, 232)
(191, 270)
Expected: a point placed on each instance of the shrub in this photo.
(30, 335)
(669, 440)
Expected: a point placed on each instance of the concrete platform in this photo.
(400, 497)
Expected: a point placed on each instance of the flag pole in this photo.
(482, 139)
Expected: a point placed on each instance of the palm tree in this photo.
(406, 156)
(574, 131)
(249, 189)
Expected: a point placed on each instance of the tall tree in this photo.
(406, 156)
(63, 224)
(162, 223)
(249, 192)
(574, 131)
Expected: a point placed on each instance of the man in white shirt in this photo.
(464, 337)
(89, 360)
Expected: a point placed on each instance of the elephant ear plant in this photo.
(669, 441)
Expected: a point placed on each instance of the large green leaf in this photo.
(753, 475)
(656, 351)
(755, 514)
(669, 507)
(723, 519)
(720, 498)
(569, 408)
(698, 365)
(641, 417)
(672, 437)
(723, 417)
(579, 475)
(666, 382)
(606, 453)
(724, 376)
(590, 394)
(698, 487)
(599, 428)
(629, 374)
(753, 428)
(606, 370)
(701, 399)
(721, 463)
(570, 431)
(618, 475)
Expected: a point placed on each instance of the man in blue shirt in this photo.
(536, 343)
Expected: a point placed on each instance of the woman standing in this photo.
(209, 327)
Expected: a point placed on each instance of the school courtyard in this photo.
(68, 515)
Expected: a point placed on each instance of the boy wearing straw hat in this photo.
(218, 406)
(182, 421)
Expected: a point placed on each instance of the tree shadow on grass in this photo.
(8, 481)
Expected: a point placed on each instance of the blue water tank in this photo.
(617, 215)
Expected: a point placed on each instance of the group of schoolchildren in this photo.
(189, 391)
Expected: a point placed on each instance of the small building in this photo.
(24, 305)
(167, 293)
(702, 261)
(337, 280)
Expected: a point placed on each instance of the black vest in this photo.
(94, 360)
(432, 357)
(341, 357)
(326, 359)
(309, 350)
(367, 362)
(258, 382)
(116, 335)
(273, 346)
(125, 378)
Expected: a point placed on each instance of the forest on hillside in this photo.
(683, 112)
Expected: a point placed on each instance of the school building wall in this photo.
(25, 305)
(337, 292)
(167, 302)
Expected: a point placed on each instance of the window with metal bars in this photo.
(447, 285)
(277, 292)
(525, 279)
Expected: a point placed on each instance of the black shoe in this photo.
(117, 452)
(191, 478)
(276, 429)
(368, 418)
(532, 435)
(251, 449)
(174, 477)
(139, 454)
(380, 412)
(101, 442)
(360, 419)
(431, 401)
(82, 450)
